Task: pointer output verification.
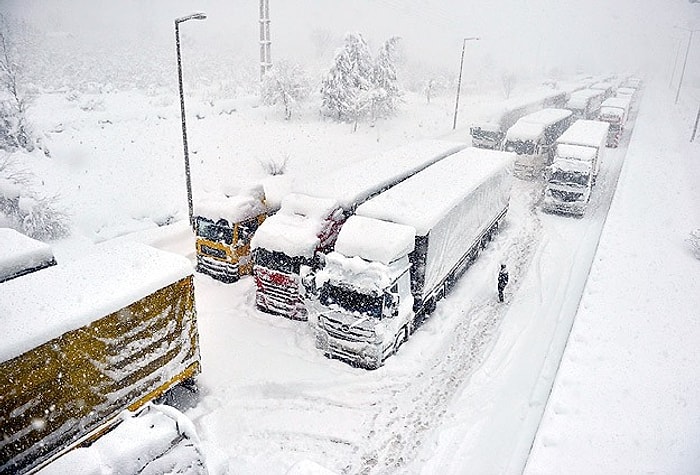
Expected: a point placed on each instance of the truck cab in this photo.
(286, 244)
(364, 310)
(614, 111)
(224, 227)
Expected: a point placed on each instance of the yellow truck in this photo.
(84, 341)
(224, 224)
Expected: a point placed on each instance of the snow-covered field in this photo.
(468, 390)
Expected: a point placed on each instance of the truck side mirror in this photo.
(391, 305)
(308, 281)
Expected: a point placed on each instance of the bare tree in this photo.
(508, 80)
(15, 131)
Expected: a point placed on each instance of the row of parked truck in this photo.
(336, 250)
(363, 253)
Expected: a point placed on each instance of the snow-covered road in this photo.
(467, 390)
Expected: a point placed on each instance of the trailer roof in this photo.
(422, 200)
(354, 183)
(590, 133)
(580, 98)
(619, 102)
(41, 306)
(295, 227)
(19, 253)
(576, 152)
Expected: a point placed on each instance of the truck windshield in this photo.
(214, 232)
(277, 261)
(351, 301)
(521, 147)
(565, 196)
(569, 177)
(484, 134)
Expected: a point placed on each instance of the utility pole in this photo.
(265, 42)
(695, 127)
(687, 50)
(459, 81)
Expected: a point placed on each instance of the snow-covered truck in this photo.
(85, 340)
(574, 170)
(226, 222)
(403, 250)
(20, 255)
(532, 138)
(585, 104)
(309, 220)
(614, 111)
(224, 227)
(489, 133)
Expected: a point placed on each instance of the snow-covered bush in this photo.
(285, 84)
(24, 209)
(694, 241)
(274, 167)
(90, 104)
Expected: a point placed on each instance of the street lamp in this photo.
(687, 50)
(459, 81)
(188, 178)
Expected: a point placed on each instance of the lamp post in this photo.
(459, 81)
(188, 178)
(687, 50)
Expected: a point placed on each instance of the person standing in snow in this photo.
(502, 281)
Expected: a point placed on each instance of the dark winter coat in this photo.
(502, 278)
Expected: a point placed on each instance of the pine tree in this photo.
(344, 89)
(386, 89)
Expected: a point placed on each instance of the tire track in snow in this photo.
(395, 435)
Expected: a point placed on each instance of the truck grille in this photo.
(278, 293)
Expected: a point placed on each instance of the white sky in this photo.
(594, 35)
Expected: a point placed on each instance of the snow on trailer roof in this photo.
(619, 102)
(375, 240)
(354, 183)
(19, 253)
(580, 98)
(44, 305)
(532, 125)
(422, 200)
(590, 133)
(244, 205)
(576, 152)
(294, 229)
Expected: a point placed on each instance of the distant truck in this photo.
(402, 251)
(307, 225)
(490, 133)
(87, 339)
(532, 139)
(614, 111)
(20, 255)
(585, 104)
(574, 170)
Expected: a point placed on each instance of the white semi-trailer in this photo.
(308, 223)
(574, 170)
(403, 250)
